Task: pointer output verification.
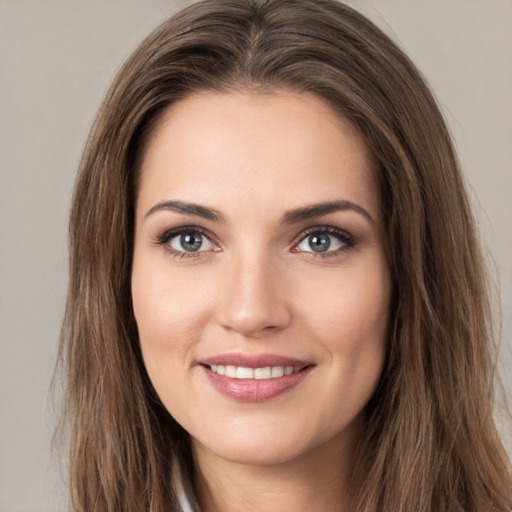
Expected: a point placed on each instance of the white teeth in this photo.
(241, 372)
(277, 371)
(263, 373)
(244, 373)
(231, 371)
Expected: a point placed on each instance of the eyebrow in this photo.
(290, 217)
(318, 210)
(188, 209)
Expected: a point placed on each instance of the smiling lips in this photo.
(258, 378)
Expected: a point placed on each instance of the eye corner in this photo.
(339, 241)
(172, 241)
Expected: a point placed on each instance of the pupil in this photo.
(191, 242)
(319, 243)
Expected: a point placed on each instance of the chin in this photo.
(262, 444)
(255, 452)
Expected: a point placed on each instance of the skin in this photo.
(257, 286)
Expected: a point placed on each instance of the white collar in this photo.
(183, 499)
(184, 502)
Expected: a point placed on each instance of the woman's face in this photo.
(260, 283)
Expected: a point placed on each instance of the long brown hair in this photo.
(431, 444)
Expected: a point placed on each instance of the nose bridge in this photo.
(253, 301)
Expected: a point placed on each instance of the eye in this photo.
(186, 241)
(328, 241)
(190, 242)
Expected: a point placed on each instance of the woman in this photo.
(276, 297)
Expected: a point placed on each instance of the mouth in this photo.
(242, 372)
(254, 378)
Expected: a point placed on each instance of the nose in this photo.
(253, 301)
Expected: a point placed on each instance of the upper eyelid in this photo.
(347, 242)
(171, 232)
(332, 230)
(163, 237)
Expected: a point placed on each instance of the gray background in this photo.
(57, 58)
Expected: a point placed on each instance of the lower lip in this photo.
(255, 390)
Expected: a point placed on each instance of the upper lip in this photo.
(254, 360)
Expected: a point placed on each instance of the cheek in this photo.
(351, 309)
(170, 310)
(349, 319)
(167, 313)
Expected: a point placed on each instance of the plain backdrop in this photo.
(57, 57)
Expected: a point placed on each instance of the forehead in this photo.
(286, 147)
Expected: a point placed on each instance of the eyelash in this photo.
(164, 239)
(347, 240)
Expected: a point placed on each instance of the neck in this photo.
(316, 480)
